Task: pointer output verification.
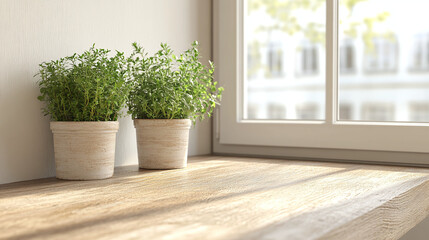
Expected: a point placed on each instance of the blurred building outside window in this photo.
(420, 54)
(347, 57)
(346, 111)
(381, 55)
(378, 111)
(383, 60)
(276, 111)
(419, 111)
(307, 111)
(307, 59)
(275, 60)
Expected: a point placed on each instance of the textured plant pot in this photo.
(84, 150)
(162, 143)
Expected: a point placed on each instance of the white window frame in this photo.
(232, 131)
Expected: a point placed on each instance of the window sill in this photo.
(223, 198)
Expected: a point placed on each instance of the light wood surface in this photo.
(222, 198)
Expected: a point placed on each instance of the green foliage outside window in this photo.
(286, 20)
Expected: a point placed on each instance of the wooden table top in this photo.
(222, 198)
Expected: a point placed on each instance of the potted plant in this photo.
(84, 94)
(168, 93)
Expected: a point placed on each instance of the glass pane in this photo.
(384, 60)
(284, 70)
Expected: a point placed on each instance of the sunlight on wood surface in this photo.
(222, 198)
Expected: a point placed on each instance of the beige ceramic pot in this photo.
(162, 143)
(84, 150)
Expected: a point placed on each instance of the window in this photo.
(308, 111)
(346, 111)
(347, 57)
(276, 111)
(378, 111)
(282, 50)
(419, 112)
(275, 60)
(307, 59)
(254, 65)
(381, 48)
(253, 111)
(352, 87)
(381, 55)
(420, 53)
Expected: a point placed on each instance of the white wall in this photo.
(32, 31)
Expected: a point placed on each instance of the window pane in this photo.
(284, 73)
(384, 60)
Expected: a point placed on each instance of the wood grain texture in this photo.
(222, 198)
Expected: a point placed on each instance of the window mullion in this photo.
(331, 60)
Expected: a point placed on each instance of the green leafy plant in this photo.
(166, 86)
(88, 87)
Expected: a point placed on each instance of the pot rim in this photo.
(162, 119)
(84, 121)
(84, 126)
(171, 123)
